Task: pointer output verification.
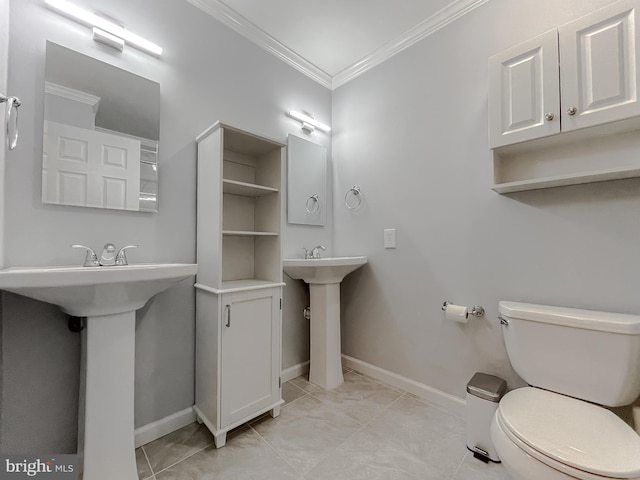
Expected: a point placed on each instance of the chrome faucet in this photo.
(91, 260)
(108, 257)
(121, 257)
(314, 252)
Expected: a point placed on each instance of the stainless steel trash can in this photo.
(483, 394)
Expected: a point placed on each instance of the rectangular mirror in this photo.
(101, 134)
(306, 182)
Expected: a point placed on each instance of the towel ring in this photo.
(355, 193)
(12, 104)
(315, 205)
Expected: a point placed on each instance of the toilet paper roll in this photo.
(457, 313)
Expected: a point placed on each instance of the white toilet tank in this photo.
(585, 354)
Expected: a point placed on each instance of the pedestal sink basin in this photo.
(324, 276)
(108, 297)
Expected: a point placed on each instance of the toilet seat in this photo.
(569, 435)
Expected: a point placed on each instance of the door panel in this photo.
(599, 59)
(249, 352)
(523, 88)
(88, 168)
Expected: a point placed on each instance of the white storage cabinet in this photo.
(239, 282)
(555, 99)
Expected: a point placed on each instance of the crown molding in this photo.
(238, 23)
(249, 30)
(440, 19)
(71, 94)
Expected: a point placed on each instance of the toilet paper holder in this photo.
(476, 311)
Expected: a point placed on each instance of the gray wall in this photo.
(413, 134)
(4, 60)
(207, 73)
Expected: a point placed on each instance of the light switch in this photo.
(389, 238)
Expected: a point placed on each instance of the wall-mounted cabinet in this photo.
(239, 283)
(556, 98)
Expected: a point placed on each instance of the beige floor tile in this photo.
(291, 392)
(177, 445)
(246, 456)
(473, 469)
(359, 397)
(367, 455)
(437, 437)
(306, 432)
(144, 470)
(303, 382)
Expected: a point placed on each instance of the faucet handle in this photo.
(315, 252)
(91, 260)
(121, 257)
(307, 253)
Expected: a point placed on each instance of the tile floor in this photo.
(362, 430)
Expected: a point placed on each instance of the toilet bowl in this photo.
(547, 430)
(545, 435)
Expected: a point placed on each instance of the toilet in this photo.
(574, 361)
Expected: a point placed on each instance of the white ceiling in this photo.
(333, 41)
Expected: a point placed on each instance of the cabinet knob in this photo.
(572, 110)
(549, 116)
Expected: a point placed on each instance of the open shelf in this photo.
(244, 233)
(584, 156)
(569, 179)
(245, 189)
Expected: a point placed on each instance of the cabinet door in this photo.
(599, 56)
(250, 353)
(524, 91)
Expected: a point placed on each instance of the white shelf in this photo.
(231, 286)
(595, 154)
(243, 233)
(563, 180)
(246, 189)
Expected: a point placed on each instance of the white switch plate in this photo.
(389, 238)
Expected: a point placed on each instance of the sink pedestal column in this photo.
(106, 426)
(325, 369)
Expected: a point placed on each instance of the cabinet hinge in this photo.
(280, 304)
(279, 382)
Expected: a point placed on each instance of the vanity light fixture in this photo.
(104, 31)
(309, 124)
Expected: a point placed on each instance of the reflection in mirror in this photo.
(101, 134)
(306, 182)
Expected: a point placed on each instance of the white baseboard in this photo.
(159, 428)
(153, 431)
(454, 405)
(295, 371)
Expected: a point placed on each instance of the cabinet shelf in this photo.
(569, 179)
(245, 233)
(245, 189)
(239, 286)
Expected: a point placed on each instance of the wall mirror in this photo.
(101, 134)
(306, 182)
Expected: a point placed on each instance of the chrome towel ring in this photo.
(353, 198)
(11, 119)
(314, 206)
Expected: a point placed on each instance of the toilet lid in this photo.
(573, 432)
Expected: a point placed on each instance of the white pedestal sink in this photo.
(324, 276)
(108, 297)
